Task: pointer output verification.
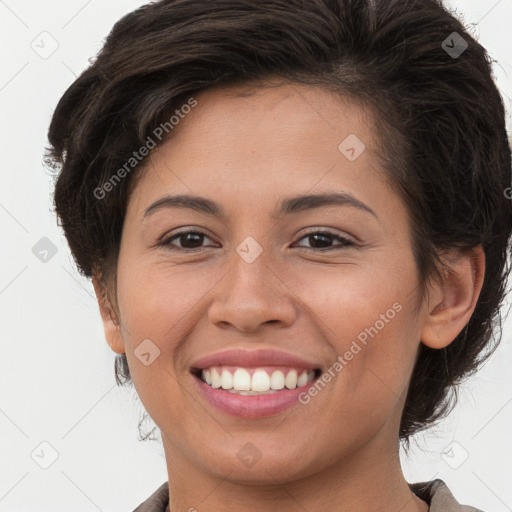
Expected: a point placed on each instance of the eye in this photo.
(320, 238)
(190, 241)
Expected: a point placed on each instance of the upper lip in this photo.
(253, 358)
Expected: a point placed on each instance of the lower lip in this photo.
(250, 407)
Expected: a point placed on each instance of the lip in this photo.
(251, 406)
(253, 358)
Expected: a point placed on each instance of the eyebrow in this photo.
(286, 206)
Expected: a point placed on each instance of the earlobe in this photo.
(453, 301)
(111, 324)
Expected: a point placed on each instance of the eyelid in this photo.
(166, 238)
(328, 231)
(184, 228)
(346, 241)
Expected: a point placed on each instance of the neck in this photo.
(359, 483)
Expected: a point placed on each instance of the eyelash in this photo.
(344, 241)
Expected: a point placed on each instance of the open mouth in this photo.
(257, 380)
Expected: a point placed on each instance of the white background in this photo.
(56, 371)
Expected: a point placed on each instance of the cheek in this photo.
(368, 318)
(159, 307)
(366, 384)
(158, 300)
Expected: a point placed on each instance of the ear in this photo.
(111, 324)
(452, 302)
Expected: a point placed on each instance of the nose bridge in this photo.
(252, 292)
(251, 268)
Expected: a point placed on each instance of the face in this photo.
(269, 281)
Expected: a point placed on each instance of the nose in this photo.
(252, 295)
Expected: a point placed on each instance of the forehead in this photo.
(282, 107)
(249, 143)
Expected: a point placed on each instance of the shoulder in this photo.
(439, 497)
(157, 502)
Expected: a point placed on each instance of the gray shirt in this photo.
(435, 493)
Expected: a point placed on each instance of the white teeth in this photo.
(216, 382)
(261, 382)
(291, 380)
(303, 379)
(242, 380)
(277, 380)
(251, 393)
(226, 379)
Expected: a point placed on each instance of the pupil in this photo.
(316, 238)
(190, 237)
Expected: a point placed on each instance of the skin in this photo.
(247, 150)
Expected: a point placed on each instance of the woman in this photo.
(295, 220)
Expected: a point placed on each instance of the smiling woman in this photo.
(298, 270)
